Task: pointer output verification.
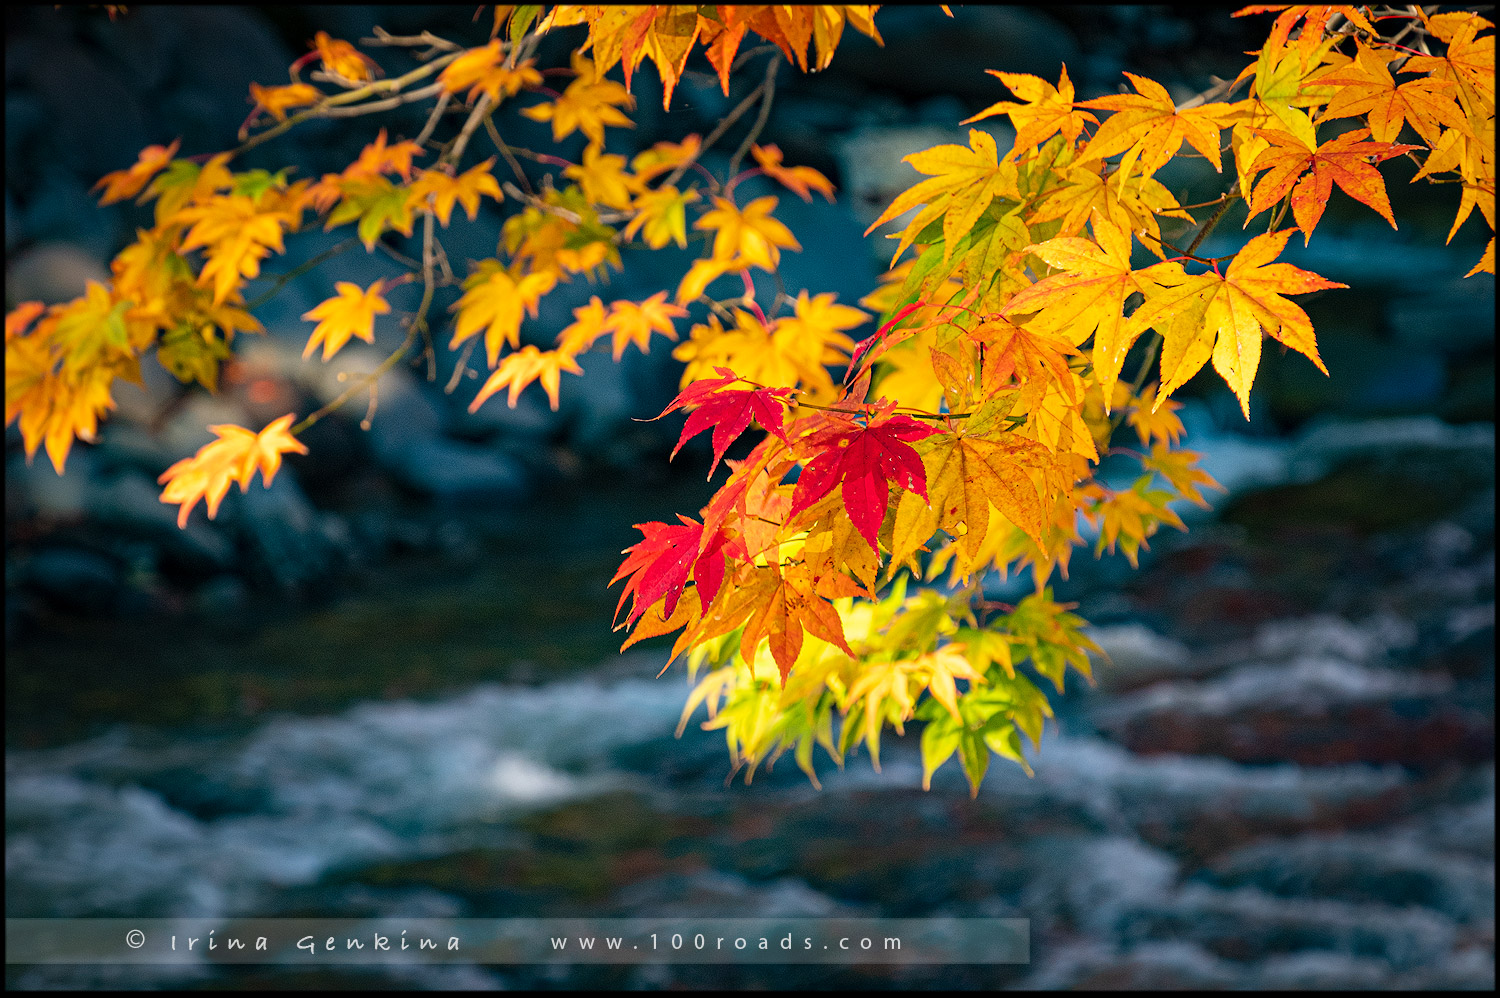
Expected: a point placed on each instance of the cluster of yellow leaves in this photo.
(235, 456)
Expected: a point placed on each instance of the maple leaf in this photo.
(378, 204)
(751, 235)
(1366, 87)
(483, 70)
(1046, 110)
(967, 475)
(588, 104)
(1346, 161)
(634, 323)
(1209, 315)
(378, 158)
(234, 457)
(663, 562)
(122, 184)
(662, 214)
(343, 59)
(665, 157)
(1155, 422)
(587, 326)
(276, 100)
(865, 459)
(237, 234)
(524, 366)
(603, 179)
(1176, 466)
(961, 185)
(700, 275)
(349, 313)
(1149, 129)
(800, 179)
(1469, 61)
(1314, 18)
(447, 191)
(783, 608)
(493, 301)
(1088, 297)
(728, 411)
(793, 350)
(1132, 208)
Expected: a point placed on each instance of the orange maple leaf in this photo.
(1366, 87)
(234, 457)
(483, 70)
(801, 179)
(464, 189)
(122, 184)
(634, 323)
(1346, 161)
(493, 301)
(524, 366)
(276, 100)
(343, 59)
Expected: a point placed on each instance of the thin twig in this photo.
(433, 118)
(456, 151)
(714, 136)
(298, 271)
(505, 150)
(390, 103)
(768, 93)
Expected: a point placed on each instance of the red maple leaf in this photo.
(662, 563)
(728, 411)
(865, 459)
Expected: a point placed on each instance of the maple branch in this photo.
(768, 93)
(298, 271)
(432, 119)
(1213, 219)
(383, 37)
(715, 135)
(391, 85)
(461, 367)
(409, 97)
(456, 151)
(505, 150)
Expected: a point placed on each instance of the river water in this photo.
(1283, 779)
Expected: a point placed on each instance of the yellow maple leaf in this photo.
(122, 184)
(961, 184)
(603, 178)
(588, 104)
(1088, 297)
(483, 70)
(587, 326)
(703, 273)
(235, 457)
(276, 100)
(661, 216)
(524, 366)
(493, 301)
(236, 234)
(1148, 128)
(634, 323)
(1046, 110)
(1209, 315)
(751, 236)
(665, 157)
(464, 189)
(349, 313)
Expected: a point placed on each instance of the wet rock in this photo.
(1135, 656)
(80, 580)
(1363, 868)
(1314, 711)
(1248, 924)
(448, 470)
(53, 272)
(288, 540)
(131, 502)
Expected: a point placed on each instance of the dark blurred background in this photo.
(388, 685)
